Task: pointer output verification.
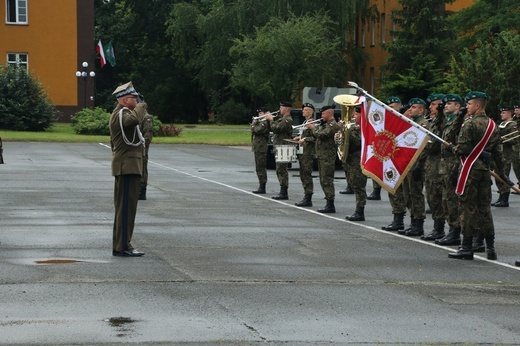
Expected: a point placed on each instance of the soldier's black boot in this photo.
(497, 201)
(517, 263)
(478, 243)
(260, 190)
(142, 193)
(438, 230)
(452, 238)
(306, 201)
(417, 228)
(329, 207)
(375, 195)
(465, 251)
(283, 194)
(396, 224)
(503, 201)
(359, 215)
(348, 191)
(490, 243)
(407, 229)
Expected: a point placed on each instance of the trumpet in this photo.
(301, 126)
(262, 117)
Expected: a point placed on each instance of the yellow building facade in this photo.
(371, 35)
(52, 39)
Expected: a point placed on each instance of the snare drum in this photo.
(285, 153)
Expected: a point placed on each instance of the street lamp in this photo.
(83, 74)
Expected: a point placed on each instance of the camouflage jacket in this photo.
(282, 129)
(326, 147)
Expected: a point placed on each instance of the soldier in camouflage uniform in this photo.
(147, 131)
(358, 179)
(432, 179)
(397, 200)
(508, 130)
(282, 129)
(478, 137)
(260, 137)
(326, 151)
(1, 152)
(448, 170)
(414, 181)
(307, 140)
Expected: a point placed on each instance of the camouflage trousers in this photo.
(282, 174)
(261, 166)
(359, 182)
(450, 202)
(327, 169)
(306, 166)
(397, 201)
(511, 158)
(414, 197)
(434, 190)
(475, 204)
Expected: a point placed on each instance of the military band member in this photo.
(432, 179)
(146, 127)
(478, 144)
(508, 130)
(307, 140)
(282, 129)
(358, 179)
(414, 181)
(397, 200)
(126, 142)
(260, 137)
(326, 151)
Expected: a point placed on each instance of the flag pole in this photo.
(390, 109)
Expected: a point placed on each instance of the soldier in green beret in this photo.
(326, 151)
(126, 141)
(478, 145)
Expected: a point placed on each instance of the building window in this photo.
(394, 27)
(16, 11)
(363, 34)
(18, 59)
(372, 32)
(383, 28)
(372, 81)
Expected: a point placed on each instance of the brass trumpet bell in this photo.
(347, 100)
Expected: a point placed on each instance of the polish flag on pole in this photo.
(101, 52)
(390, 145)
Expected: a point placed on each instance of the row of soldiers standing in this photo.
(436, 171)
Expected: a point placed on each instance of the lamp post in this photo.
(83, 74)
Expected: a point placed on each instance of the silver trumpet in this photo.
(301, 126)
(262, 117)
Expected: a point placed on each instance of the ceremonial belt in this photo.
(467, 162)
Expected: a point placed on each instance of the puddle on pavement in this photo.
(123, 325)
(57, 261)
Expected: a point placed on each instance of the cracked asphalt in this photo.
(225, 266)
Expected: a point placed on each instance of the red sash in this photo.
(467, 162)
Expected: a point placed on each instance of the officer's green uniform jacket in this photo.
(326, 147)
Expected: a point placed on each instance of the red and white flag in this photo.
(101, 52)
(390, 145)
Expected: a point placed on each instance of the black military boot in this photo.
(396, 224)
(359, 215)
(417, 228)
(497, 201)
(283, 194)
(329, 207)
(465, 251)
(375, 195)
(478, 243)
(306, 201)
(348, 191)
(438, 230)
(260, 190)
(407, 229)
(452, 238)
(517, 263)
(142, 193)
(490, 242)
(503, 201)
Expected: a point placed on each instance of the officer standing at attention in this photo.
(478, 144)
(308, 142)
(147, 131)
(326, 151)
(397, 200)
(126, 141)
(260, 133)
(358, 179)
(282, 129)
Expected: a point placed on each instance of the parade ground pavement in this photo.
(225, 266)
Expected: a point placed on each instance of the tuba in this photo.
(348, 104)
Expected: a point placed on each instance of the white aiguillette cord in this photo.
(136, 130)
